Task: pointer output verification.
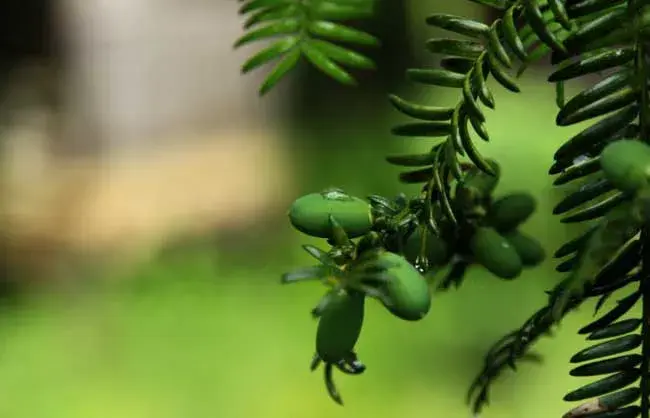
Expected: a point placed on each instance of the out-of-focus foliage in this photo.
(310, 30)
(202, 332)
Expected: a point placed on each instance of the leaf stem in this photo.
(642, 68)
(645, 331)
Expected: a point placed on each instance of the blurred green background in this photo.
(203, 328)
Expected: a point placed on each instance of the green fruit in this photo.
(529, 249)
(310, 214)
(340, 325)
(495, 253)
(510, 211)
(626, 164)
(436, 252)
(406, 289)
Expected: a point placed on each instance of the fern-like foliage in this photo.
(311, 29)
(526, 33)
(608, 39)
(611, 42)
(516, 345)
(455, 221)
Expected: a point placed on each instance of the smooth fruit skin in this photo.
(529, 249)
(510, 211)
(310, 214)
(437, 251)
(340, 325)
(626, 164)
(407, 289)
(495, 253)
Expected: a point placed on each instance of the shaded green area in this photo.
(208, 331)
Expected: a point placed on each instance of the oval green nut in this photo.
(510, 211)
(494, 252)
(626, 164)
(436, 249)
(340, 325)
(529, 249)
(407, 290)
(310, 214)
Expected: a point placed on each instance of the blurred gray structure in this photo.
(143, 69)
(139, 130)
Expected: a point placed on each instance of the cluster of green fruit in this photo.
(493, 239)
(387, 249)
(353, 271)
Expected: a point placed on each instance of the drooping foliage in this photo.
(387, 248)
(309, 29)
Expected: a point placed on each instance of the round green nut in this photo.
(310, 214)
(510, 211)
(494, 252)
(529, 249)
(436, 250)
(407, 290)
(340, 325)
(626, 164)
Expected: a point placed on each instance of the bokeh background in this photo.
(144, 190)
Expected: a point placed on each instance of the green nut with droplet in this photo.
(339, 326)
(310, 214)
(510, 211)
(529, 249)
(407, 290)
(626, 164)
(494, 252)
(436, 249)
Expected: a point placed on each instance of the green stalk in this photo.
(642, 69)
